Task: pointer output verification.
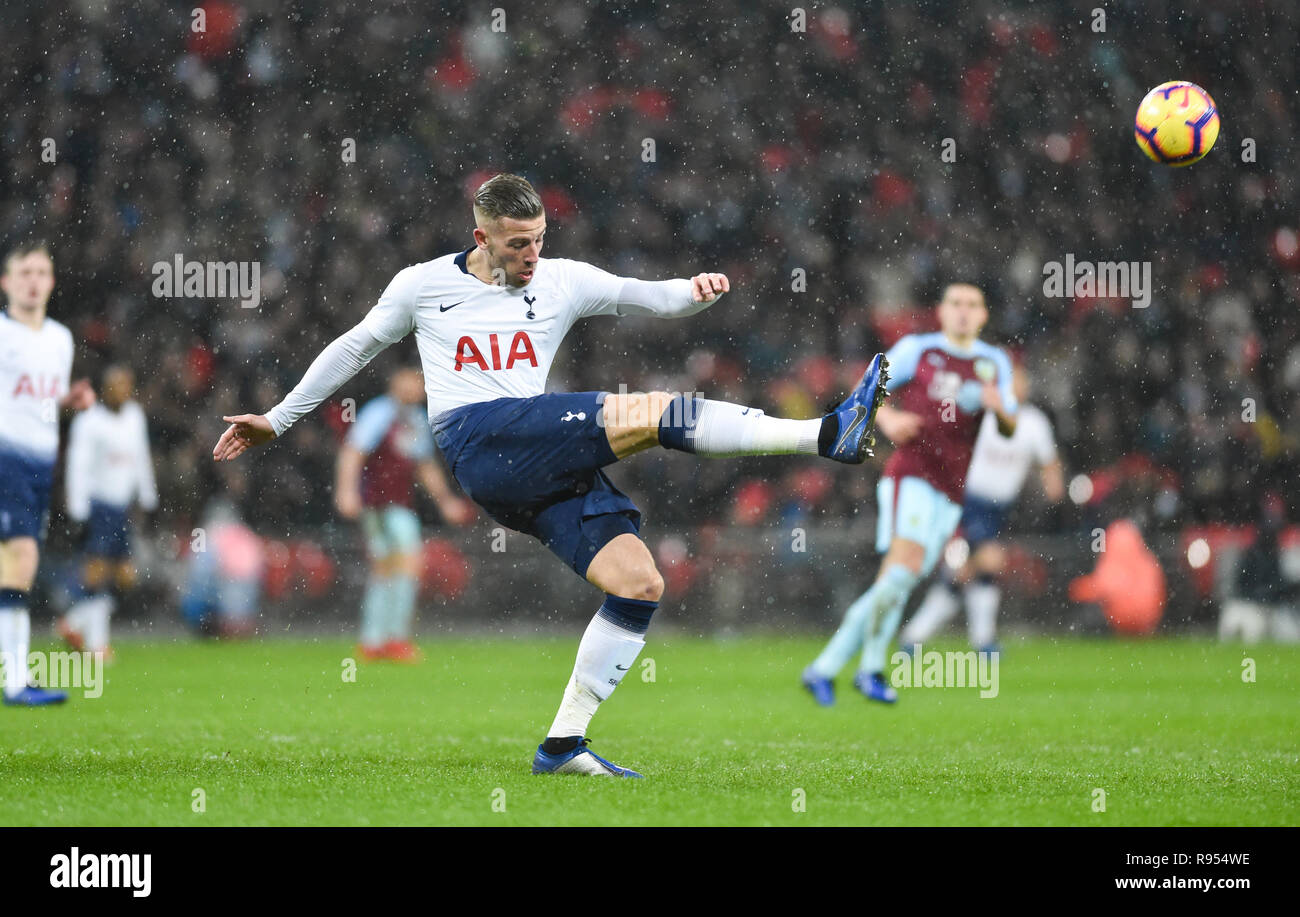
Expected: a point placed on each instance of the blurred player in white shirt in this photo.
(35, 383)
(109, 469)
(998, 470)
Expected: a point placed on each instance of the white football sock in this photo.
(95, 626)
(75, 619)
(605, 654)
(724, 429)
(982, 601)
(15, 639)
(939, 605)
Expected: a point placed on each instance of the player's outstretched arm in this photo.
(601, 293)
(245, 431)
(346, 356)
(671, 298)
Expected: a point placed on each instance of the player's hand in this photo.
(899, 426)
(245, 431)
(79, 397)
(457, 511)
(348, 503)
(708, 287)
(990, 397)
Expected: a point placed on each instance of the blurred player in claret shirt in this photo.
(109, 469)
(35, 373)
(997, 474)
(387, 449)
(940, 385)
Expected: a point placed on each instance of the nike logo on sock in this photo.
(442, 308)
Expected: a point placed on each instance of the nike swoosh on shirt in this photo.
(442, 308)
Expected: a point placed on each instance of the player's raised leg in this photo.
(719, 429)
(625, 571)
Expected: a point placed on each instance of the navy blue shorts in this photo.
(981, 520)
(534, 464)
(25, 484)
(107, 532)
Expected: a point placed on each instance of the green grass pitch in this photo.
(272, 735)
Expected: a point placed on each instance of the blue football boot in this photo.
(874, 687)
(32, 696)
(582, 761)
(822, 690)
(856, 416)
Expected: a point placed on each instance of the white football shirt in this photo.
(109, 461)
(999, 465)
(480, 341)
(35, 370)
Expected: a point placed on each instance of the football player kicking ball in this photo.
(488, 322)
(943, 381)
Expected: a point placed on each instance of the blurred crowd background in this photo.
(777, 153)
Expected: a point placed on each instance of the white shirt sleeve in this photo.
(598, 292)
(346, 356)
(148, 487)
(390, 320)
(393, 317)
(81, 459)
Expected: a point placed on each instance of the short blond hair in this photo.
(507, 195)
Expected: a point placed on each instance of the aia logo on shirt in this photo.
(470, 354)
(37, 386)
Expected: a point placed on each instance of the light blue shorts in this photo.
(391, 530)
(914, 509)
